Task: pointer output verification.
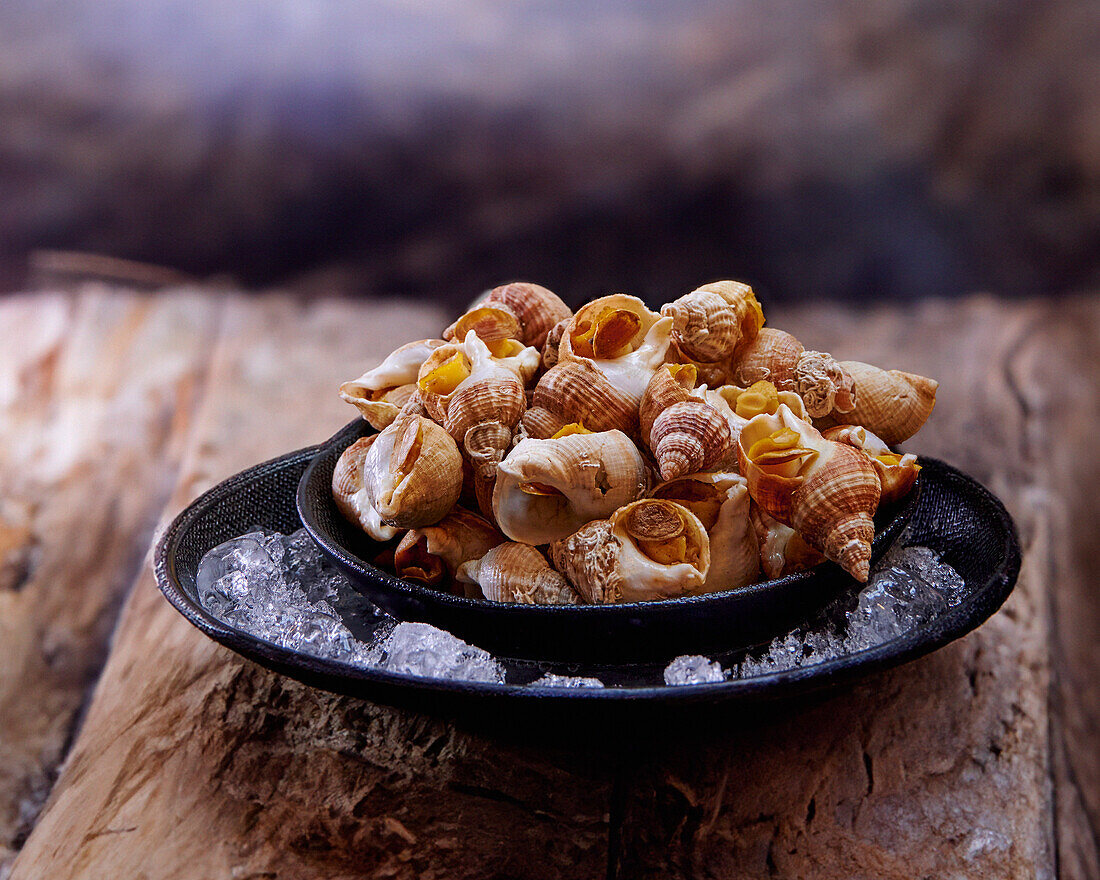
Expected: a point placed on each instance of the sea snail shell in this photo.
(512, 572)
(649, 549)
(350, 494)
(711, 322)
(896, 472)
(889, 403)
(432, 554)
(380, 393)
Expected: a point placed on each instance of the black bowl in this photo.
(954, 516)
(629, 632)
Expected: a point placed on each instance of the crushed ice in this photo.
(693, 669)
(280, 588)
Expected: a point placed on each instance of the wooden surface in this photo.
(978, 761)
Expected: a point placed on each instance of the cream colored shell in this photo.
(513, 572)
(537, 308)
(351, 496)
(547, 489)
(380, 392)
(605, 564)
(734, 549)
(782, 550)
(712, 321)
(892, 404)
(434, 553)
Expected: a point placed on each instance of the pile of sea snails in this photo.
(621, 455)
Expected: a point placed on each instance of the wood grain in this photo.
(977, 761)
(97, 390)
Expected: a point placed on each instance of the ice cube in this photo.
(567, 681)
(693, 669)
(423, 650)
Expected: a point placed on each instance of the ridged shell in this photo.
(380, 393)
(721, 503)
(539, 423)
(413, 472)
(492, 391)
(579, 392)
(782, 550)
(485, 445)
(687, 437)
(513, 572)
(537, 308)
(827, 491)
(711, 322)
(648, 344)
(772, 355)
(896, 472)
(547, 489)
(432, 554)
(605, 562)
(350, 494)
(671, 383)
(892, 404)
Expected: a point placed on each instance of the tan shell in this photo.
(380, 393)
(513, 572)
(537, 309)
(350, 494)
(709, 373)
(547, 489)
(782, 550)
(721, 503)
(772, 355)
(711, 322)
(493, 390)
(823, 384)
(578, 391)
(897, 473)
(724, 400)
(648, 345)
(606, 562)
(432, 554)
(827, 491)
(892, 404)
(412, 472)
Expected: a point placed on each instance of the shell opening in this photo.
(504, 348)
(702, 499)
(445, 378)
(570, 429)
(780, 454)
(685, 374)
(760, 397)
(544, 490)
(490, 323)
(414, 562)
(407, 448)
(610, 336)
(654, 522)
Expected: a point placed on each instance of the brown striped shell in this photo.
(896, 472)
(782, 550)
(772, 355)
(578, 391)
(380, 392)
(684, 433)
(711, 322)
(889, 403)
(828, 492)
(513, 572)
(537, 309)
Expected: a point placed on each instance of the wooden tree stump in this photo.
(977, 761)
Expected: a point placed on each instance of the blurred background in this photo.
(432, 148)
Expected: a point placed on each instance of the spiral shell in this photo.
(823, 384)
(537, 309)
(711, 322)
(547, 489)
(889, 403)
(650, 549)
(721, 503)
(896, 472)
(685, 433)
(512, 572)
(432, 554)
(412, 472)
(464, 385)
(772, 355)
(577, 391)
(737, 405)
(380, 393)
(350, 494)
(782, 550)
(491, 322)
(827, 491)
(553, 340)
(622, 338)
(538, 423)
